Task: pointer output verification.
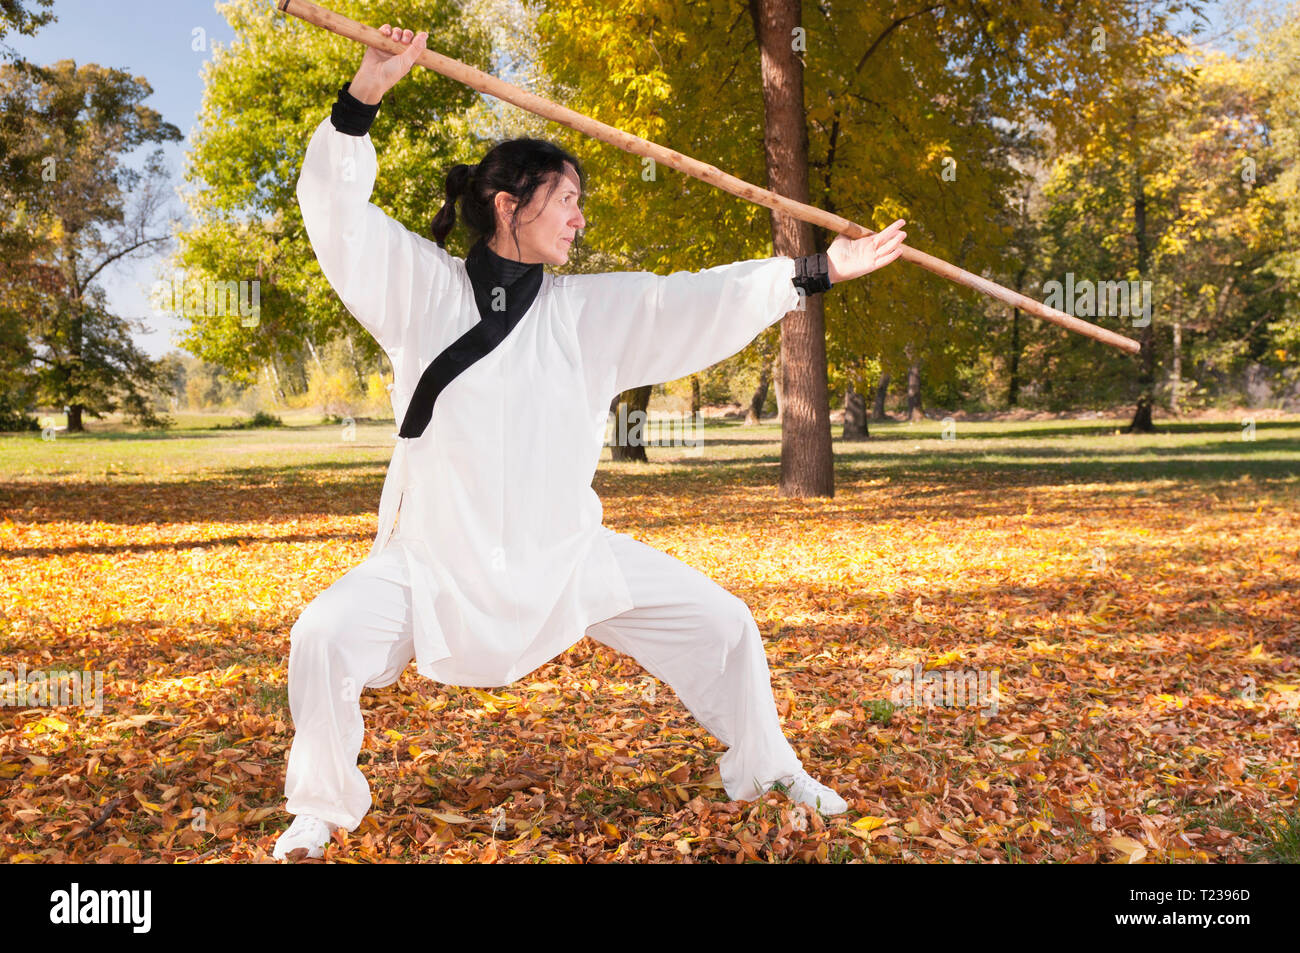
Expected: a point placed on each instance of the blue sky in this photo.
(155, 39)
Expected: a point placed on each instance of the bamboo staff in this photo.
(484, 83)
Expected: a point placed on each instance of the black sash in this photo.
(485, 277)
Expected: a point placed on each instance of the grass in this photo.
(1204, 450)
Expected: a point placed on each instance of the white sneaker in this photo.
(306, 832)
(805, 789)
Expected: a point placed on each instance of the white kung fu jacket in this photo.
(511, 564)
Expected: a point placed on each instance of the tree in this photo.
(1129, 159)
(1220, 258)
(17, 386)
(806, 468)
(1194, 185)
(909, 112)
(263, 98)
(1277, 63)
(64, 194)
(16, 18)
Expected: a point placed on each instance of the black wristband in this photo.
(812, 273)
(350, 115)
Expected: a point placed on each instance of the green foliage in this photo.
(259, 420)
(880, 711)
(12, 421)
(1209, 241)
(15, 17)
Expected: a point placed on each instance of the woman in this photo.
(490, 558)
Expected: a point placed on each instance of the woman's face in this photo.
(547, 225)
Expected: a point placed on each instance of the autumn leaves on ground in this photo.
(1124, 611)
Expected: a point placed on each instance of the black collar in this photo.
(488, 271)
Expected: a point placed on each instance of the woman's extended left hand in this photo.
(854, 257)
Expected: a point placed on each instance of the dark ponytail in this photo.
(458, 180)
(518, 167)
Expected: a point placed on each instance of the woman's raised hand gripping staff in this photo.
(380, 71)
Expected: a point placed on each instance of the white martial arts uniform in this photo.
(502, 563)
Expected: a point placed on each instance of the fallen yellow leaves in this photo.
(1146, 710)
(1128, 850)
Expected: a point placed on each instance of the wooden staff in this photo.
(484, 83)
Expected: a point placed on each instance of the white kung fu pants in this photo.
(684, 629)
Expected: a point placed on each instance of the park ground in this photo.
(1129, 607)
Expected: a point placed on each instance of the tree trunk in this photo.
(1176, 373)
(1013, 386)
(695, 395)
(914, 411)
(778, 382)
(755, 413)
(1141, 422)
(882, 392)
(312, 347)
(356, 364)
(855, 416)
(630, 409)
(75, 338)
(275, 379)
(769, 346)
(806, 462)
